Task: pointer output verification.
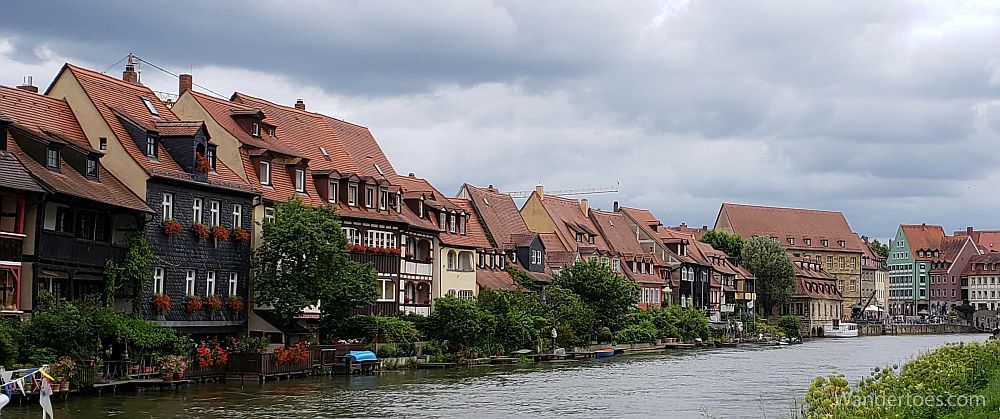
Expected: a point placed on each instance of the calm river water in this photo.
(725, 383)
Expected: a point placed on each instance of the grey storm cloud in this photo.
(887, 111)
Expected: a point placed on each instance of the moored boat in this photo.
(840, 330)
(604, 353)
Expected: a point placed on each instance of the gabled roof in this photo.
(15, 175)
(616, 232)
(752, 220)
(115, 98)
(49, 119)
(500, 215)
(922, 237)
(568, 212)
(986, 240)
(495, 279)
(350, 148)
(474, 235)
(225, 112)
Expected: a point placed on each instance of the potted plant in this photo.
(193, 304)
(61, 370)
(241, 235)
(172, 367)
(219, 355)
(235, 303)
(172, 227)
(161, 302)
(220, 233)
(201, 231)
(213, 302)
(204, 356)
(202, 163)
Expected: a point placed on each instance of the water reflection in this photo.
(721, 383)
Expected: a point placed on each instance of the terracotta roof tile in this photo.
(15, 175)
(783, 223)
(473, 231)
(495, 280)
(568, 212)
(922, 237)
(500, 214)
(223, 111)
(43, 114)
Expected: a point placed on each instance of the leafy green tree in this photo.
(303, 260)
(461, 322)
(730, 243)
(370, 328)
(517, 321)
(791, 326)
(880, 248)
(574, 321)
(775, 273)
(608, 294)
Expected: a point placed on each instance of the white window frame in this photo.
(167, 206)
(149, 107)
(462, 221)
(265, 173)
(352, 195)
(234, 279)
(255, 129)
(352, 235)
(151, 146)
(237, 216)
(379, 238)
(442, 221)
(51, 158)
(197, 214)
(158, 276)
(451, 223)
(268, 214)
(385, 293)
(369, 197)
(190, 278)
(216, 217)
(210, 283)
(383, 199)
(300, 180)
(333, 192)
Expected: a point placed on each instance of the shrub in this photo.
(641, 332)
(372, 329)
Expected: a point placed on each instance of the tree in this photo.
(730, 243)
(608, 294)
(517, 322)
(791, 325)
(775, 273)
(303, 260)
(461, 322)
(880, 248)
(563, 310)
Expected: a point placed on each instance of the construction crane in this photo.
(568, 192)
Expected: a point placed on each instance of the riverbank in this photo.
(728, 383)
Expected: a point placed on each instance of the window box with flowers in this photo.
(220, 233)
(201, 231)
(172, 227)
(202, 164)
(193, 304)
(236, 304)
(373, 249)
(213, 302)
(161, 302)
(242, 236)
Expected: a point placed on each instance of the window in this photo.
(841, 243)
(197, 217)
(465, 294)
(265, 173)
(387, 289)
(579, 237)
(151, 146)
(237, 216)
(370, 197)
(451, 223)
(210, 284)
(352, 195)
(150, 107)
(214, 213)
(233, 282)
(591, 239)
(420, 208)
(92, 226)
(824, 242)
(52, 158)
(808, 242)
(791, 241)
(333, 192)
(103, 144)
(352, 235)
(843, 263)
(441, 221)
(255, 129)
(461, 224)
(64, 221)
(270, 131)
(210, 156)
(268, 214)
(452, 262)
(92, 168)
(189, 282)
(300, 180)
(167, 206)
(157, 280)
(384, 239)
(829, 262)
(383, 199)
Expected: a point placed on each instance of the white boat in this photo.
(840, 330)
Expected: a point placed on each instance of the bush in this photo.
(372, 329)
(9, 338)
(790, 325)
(641, 332)
(460, 322)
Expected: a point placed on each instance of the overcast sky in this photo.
(887, 111)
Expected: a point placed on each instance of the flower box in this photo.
(193, 304)
(220, 233)
(172, 227)
(213, 302)
(202, 163)
(236, 304)
(241, 235)
(201, 231)
(161, 302)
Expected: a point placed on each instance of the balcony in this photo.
(418, 309)
(63, 248)
(728, 308)
(412, 267)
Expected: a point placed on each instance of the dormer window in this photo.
(92, 168)
(149, 106)
(255, 130)
(383, 200)
(300, 180)
(451, 223)
(265, 173)
(841, 243)
(461, 224)
(52, 158)
(791, 241)
(352, 195)
(442, 218)
(807, 241)
(333, 192)
(151, 146)
(370, 197)
(824, 242)
(579, 237)
(420, 208)
(591, 239)
(270, 131)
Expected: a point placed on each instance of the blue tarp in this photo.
(357, 356)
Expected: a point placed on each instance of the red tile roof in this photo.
(987, 240)
(569, 218)
(223, 111)
(784, 223)
(474, 234)
(551, 242)
(15, 175)
(984, 264)
(114, 98)
(43, 114)
(500, 214)
(922, 237)
(498, 279)
(815, 283)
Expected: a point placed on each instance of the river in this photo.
(723, 383)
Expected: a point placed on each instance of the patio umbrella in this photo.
(874, 308)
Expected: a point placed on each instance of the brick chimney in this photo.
(584, 205)
(969, 230)
(27, 85)
(300, 105)
(616, 206)
(184, 83)
(130, 75)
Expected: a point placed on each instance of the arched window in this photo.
(466, 261)
(452, 262)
